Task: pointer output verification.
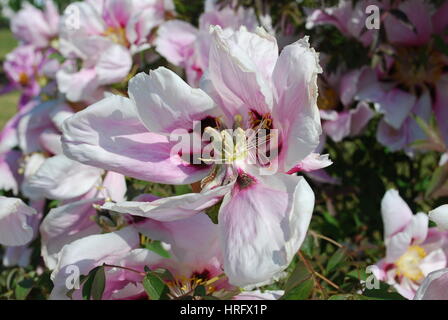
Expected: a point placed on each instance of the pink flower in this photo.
(246, 89)
(47, 173)
(434, 287)
(104, 35)
(16, 226)
(192, 244)
(343, 115)
(188, 47)
(348, 17)
(35, 27)
(28, 69)
(412, 250)
(74, 219)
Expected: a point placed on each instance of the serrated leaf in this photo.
(335, 260)
(23, 289)
(155, 287)
(156, 246)
(300, 292)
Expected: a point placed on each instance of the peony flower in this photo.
(194, 258)
(344, 117)
(412, 250)
(75, 219)
(434, 287)
(348, 17)
(99, 39)
(16, 222)
(36, 27)
(28, 69)
(413, 80)
(47, 173)
(188, 47)
(263, 219)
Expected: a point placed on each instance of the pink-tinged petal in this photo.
(9, 167)
(262, 227)
(395, 212)
(110, 135)
(66, 224)
(434, 287)
(31, 126)
(90, 23)
(360, 118)
(240, 67)
(440, 18)
(295, 80)
(440, 107)
(396, 106)
(194, 242)
(434, 261)
(175, 41)
(61, 178)
(440, 216)
(17, 256)
(114, 187)
(258, 295)
(162, 111)
(15, 218)
(311, 163)
(114, 65)
(50, 140)
(397, 245)
(392, 138)
(348, 86)
(340, 128)
(116, 13)
(34, 26)
(418, 13)
(90, 252)
(369, 87)
(418, 228)
(78, 86)
(61, 113)
(171, 208)
(321, 176)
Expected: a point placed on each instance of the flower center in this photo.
(117, 35)
(417, 66)
(408, 265)
(23, 79)
(183, 287)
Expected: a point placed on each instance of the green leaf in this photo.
(439, 178)
(349, 296)
(383, 293)
(156, 246)
(99, 284)
(23, 289)
(155, 287)
(299, 275)
(94, 284)
(300, 292)
(200, 291)
(335, 260)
